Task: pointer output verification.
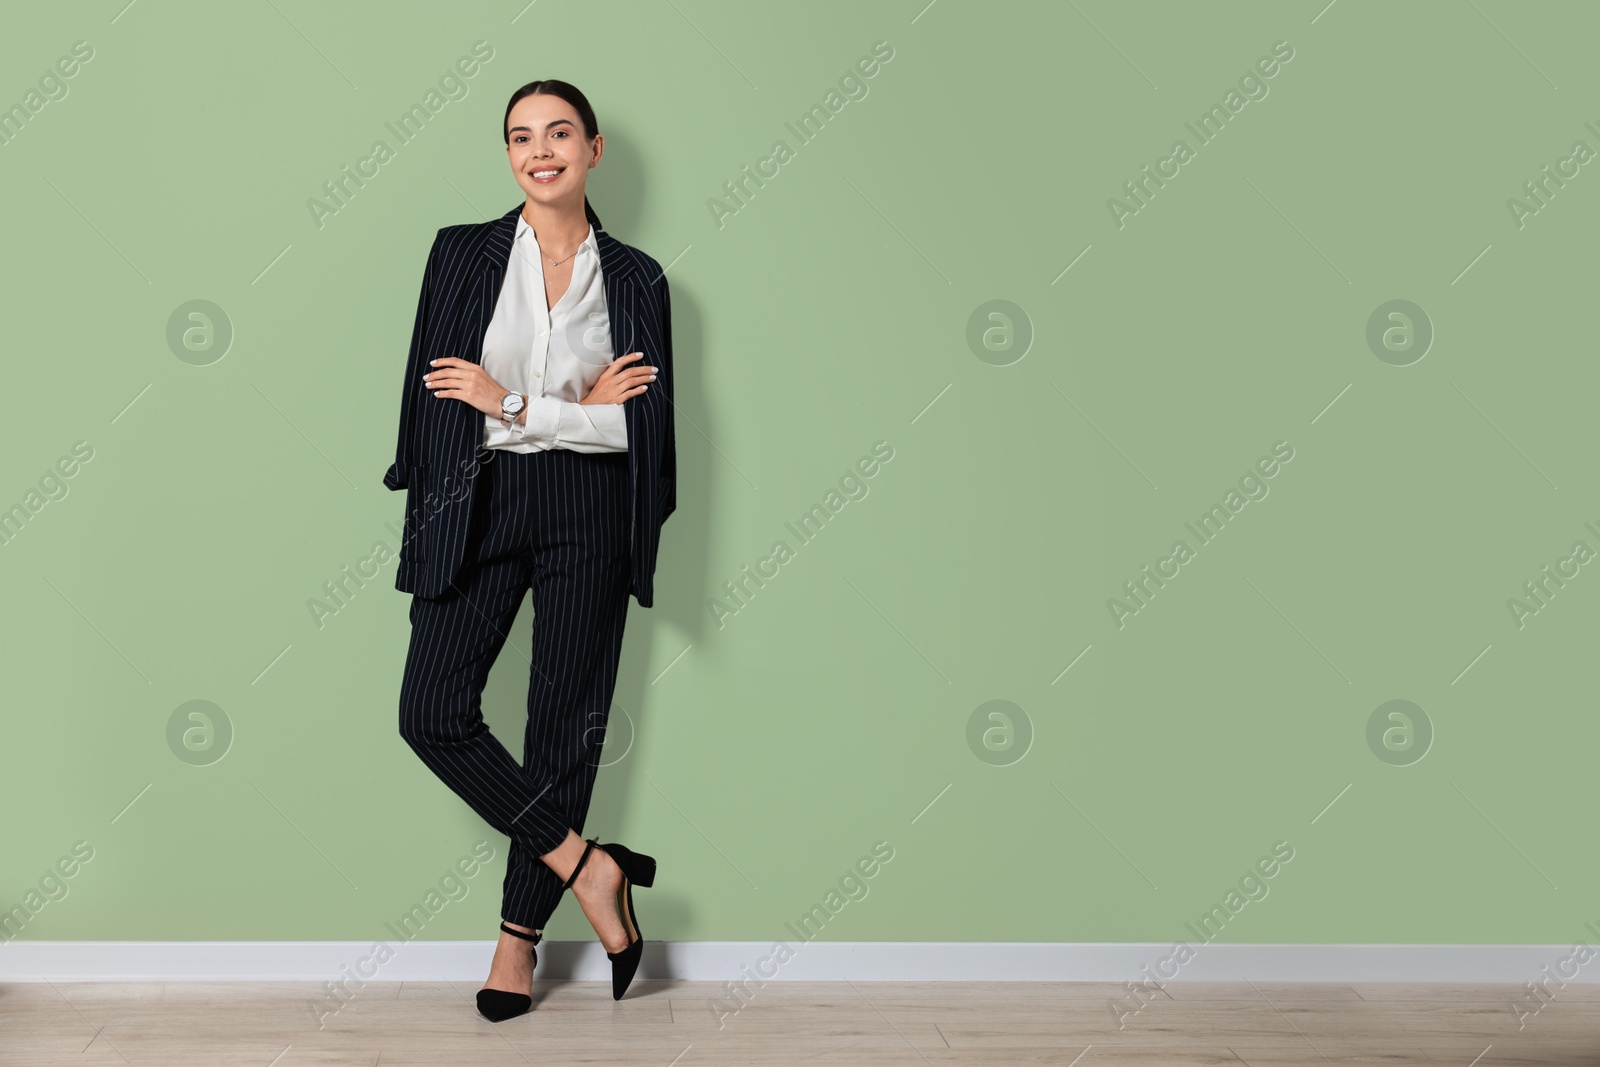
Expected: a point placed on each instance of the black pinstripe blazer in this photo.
(438, 455)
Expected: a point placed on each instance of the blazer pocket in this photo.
(413, 546)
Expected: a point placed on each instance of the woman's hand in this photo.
(617, 383)
(461, 379)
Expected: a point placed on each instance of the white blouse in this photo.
(552, 355)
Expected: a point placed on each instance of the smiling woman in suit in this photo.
(565, 445)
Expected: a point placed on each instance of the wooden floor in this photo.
(670, 1023)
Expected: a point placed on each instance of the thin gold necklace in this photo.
(558, 262)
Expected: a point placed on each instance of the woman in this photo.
(569, 460)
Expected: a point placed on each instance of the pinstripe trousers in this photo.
(555, 522)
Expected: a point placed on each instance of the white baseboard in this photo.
(761, 961)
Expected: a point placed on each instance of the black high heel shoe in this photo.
(498, 1005)
(637, 869)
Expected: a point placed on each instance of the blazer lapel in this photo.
(616, 270)
(489, 274)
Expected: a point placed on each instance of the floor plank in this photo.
(1066, 1024)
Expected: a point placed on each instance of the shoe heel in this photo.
(639, 868)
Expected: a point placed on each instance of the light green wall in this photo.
(769, 751)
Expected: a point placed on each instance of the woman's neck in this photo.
(556, 229)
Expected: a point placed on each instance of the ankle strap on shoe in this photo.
(593, 841)
(513, 931)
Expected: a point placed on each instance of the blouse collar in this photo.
(589, 241)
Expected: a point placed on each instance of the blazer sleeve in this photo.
(669, 451)
(398, 475)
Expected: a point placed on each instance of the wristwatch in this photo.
(510, 408)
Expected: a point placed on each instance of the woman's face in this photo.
(547, 135)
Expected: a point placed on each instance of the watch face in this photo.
(512, 404)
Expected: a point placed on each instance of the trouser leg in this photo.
(580, 598)
(454, 641)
